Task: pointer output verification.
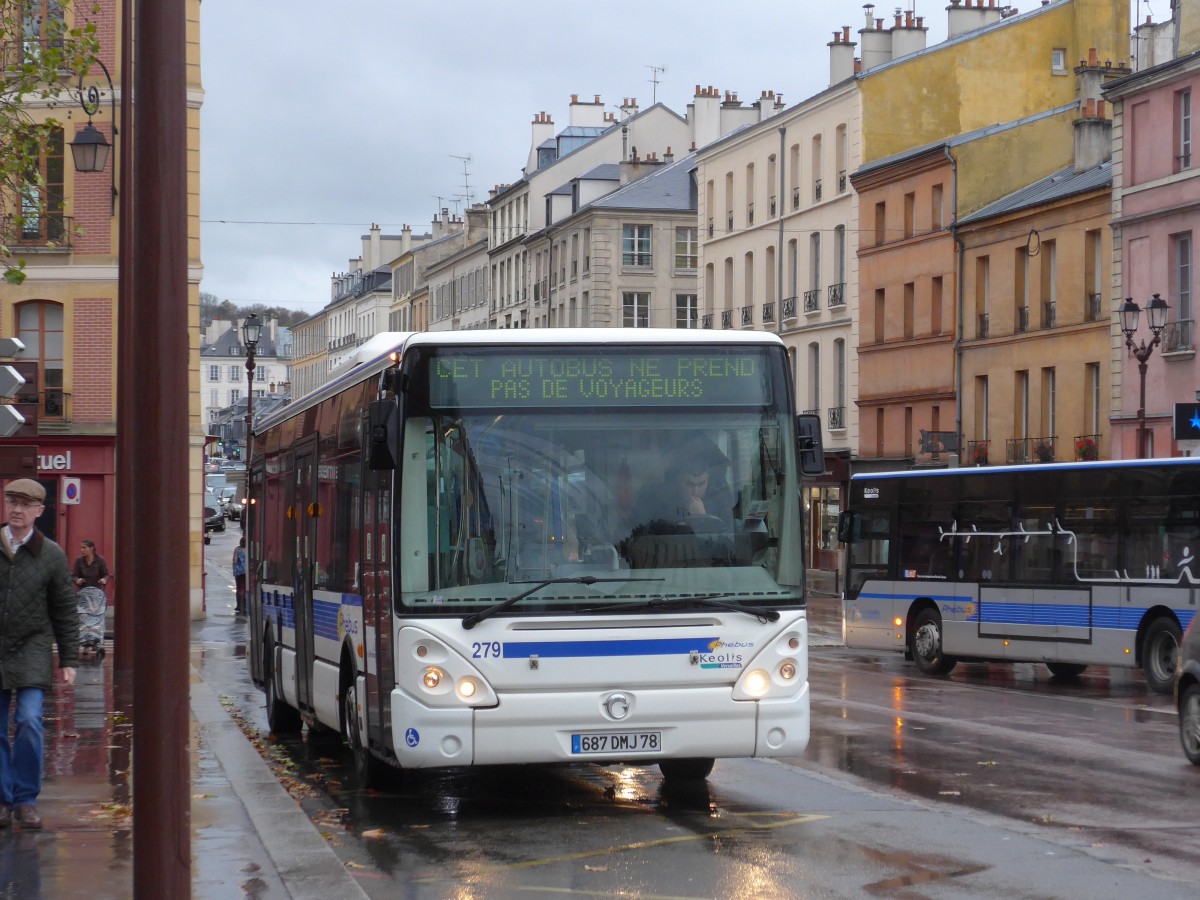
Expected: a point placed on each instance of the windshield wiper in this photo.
(474, 619)
(765, 615)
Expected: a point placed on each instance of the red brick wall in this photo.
(92, 382)
(92, 209)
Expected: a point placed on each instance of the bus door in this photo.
(305, 541)
(377, 601)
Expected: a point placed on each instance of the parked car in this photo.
(214, 519)
(1187, 692)
(231, 506)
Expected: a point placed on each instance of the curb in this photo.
(306, 864)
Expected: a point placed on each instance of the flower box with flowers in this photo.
(979, 454)
(1087, 448)
(1044, 451)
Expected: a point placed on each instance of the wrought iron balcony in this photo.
(749, 214)
(1087, 446)
(977, 453)
(768, 315)
(710, 226)
(789, 308)
(836, 294)
(747, 316)
(1092, 311)
(812, 300)
(1177, 336)
(772, 206)
(816, 190)
(837, 417)
(981, 330)
(729, 221)
(706, 321)
(795, 198)
(1031, 449)
(49, 231)
(1049, 314)
(727, 318)
(1022, 319)
(841, 182)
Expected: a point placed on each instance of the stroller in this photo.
(93, 603)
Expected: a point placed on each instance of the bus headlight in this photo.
(438, 674)
(756, 683)
(787, 671)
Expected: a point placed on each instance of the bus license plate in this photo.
(617, 742)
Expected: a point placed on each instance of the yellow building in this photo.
(65, 311)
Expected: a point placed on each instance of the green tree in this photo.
(41, 59)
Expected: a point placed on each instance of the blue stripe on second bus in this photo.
(1066, 614)
(581, 649)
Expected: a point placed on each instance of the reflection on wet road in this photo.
(999, 781)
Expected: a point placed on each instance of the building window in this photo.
(234, 396)
(214, 373)
(1058, 61)
(635, 246)
(42, 196)
(636, 310)
(235, 373)
(40, 327)
(687, 247)
(687, 311)
(1183, 130)
(1181, 274)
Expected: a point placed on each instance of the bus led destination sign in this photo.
(621, 378)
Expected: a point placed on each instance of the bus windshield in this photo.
(617, 501)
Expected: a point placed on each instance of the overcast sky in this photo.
(320, 118)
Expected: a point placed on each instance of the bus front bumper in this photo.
(580, 726)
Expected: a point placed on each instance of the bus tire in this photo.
(367, 768)
(1066, 670)
(1189, 722)
(926, 647)
(1160, 653)
(281, 718)
(680, 770)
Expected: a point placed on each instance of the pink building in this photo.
(1156, 211)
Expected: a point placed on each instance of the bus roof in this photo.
(373, 356)
(1027, 467)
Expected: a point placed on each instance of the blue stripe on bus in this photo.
(1067, 614)
(325, 614)
(579, 649)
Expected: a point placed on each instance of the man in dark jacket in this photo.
(37, 609)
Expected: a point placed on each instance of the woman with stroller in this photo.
(90, 570)
(90, 573)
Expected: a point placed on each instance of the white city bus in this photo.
(1068, 564)
(450, 562)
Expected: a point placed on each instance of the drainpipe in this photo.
(779, 251)
(959, 301)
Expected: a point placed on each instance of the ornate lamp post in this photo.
(251, 331)
(90, 148)
(1156, 310)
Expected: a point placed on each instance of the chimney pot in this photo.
(845, 34)
(1100, 109)
(574, 98)
(597, 98)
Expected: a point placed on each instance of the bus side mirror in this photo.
(808, 444)
(845, 526)
(379, 419)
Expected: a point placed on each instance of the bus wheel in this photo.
(677, 770)
(927, 644)
(281, 718)
(1159, 653)
(1189, 722)
(368, 769)
(1066, 670)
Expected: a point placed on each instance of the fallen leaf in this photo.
(203, 796)
(374, 833)
(595, 868)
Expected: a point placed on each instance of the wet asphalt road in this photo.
(996, 782)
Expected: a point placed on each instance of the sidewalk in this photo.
(249, 836)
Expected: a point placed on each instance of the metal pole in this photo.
(158, 328)
(1142, 406)
(126, 511)
(250, 348)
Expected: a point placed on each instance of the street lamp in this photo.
(1156, 309)
(90, 147)
(251, 330)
